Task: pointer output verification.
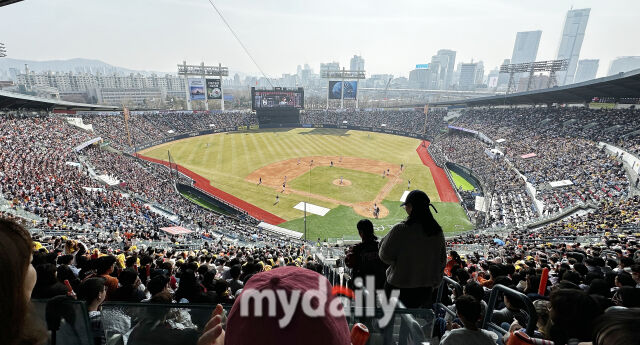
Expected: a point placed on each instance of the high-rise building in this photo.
(503, 78)
(449, 68)
(357, 63)
(419, 78)
(437, 72)
(480, 73)
(468, 76)
(329, 66)
(492, 78)
(624, 64)
(575, 24)
(587, 70)
(526, 47)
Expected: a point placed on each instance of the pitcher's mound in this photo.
(343, 184)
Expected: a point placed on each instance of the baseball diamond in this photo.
(305, 164)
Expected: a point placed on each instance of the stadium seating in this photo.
(53, 190)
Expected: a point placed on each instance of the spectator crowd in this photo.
(113, 248)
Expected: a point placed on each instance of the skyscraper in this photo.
(468, 76)
(575, 24)
(419, 78)
(438, 72)
(451, 58)
(479, 73)
(587, 70)
(503, 78)
(357, 63)
(624, 64)
(329, 66)
(526, 47)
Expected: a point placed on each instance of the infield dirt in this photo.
(275, 174)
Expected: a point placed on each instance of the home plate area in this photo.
(311, 208)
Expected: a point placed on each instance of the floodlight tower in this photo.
(3, 50)
(551, 66)
(342, 74)
(203, 72)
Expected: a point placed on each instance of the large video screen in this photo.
(277, 98)
(350, 89)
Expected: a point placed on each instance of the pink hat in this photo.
(320, 327)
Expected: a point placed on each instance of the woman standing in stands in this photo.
(415, 252)
(18, 325)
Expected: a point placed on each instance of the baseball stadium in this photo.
(249, 185)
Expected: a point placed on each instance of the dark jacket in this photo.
(414, 258)
(364, 261)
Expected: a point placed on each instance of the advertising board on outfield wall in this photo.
(304, 125)
(184, 135)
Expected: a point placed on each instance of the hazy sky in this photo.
(392, 36)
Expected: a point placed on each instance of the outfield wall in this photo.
(292, 125)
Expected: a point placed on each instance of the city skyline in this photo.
(389, 44)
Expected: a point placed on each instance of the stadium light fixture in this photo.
(3, 50)
(202, 71)
(341, 74)
(551, 66)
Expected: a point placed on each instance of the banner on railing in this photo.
(562, 183)
(463, 129)
(86, 143)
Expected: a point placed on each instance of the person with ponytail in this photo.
(415, 251)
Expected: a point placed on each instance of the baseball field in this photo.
(348, 172)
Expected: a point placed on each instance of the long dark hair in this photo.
(365, 228)
(424, 217)
(421, 214)
(18, 325)
(189, 287)
(429, 224)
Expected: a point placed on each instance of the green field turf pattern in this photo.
(342, 221)
(364, 186)
(230, 157)
(460, 181)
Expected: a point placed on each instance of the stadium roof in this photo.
(13, 100)
(622, 85)
(7, 2)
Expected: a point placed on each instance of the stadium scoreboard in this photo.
(277, 98)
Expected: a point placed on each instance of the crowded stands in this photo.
(105, 240)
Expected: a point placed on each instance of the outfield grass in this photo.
(342, 220)
(230, 157)
(461, 182)
(364, 186)
(226, 159)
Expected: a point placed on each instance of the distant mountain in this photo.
(77, 65)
